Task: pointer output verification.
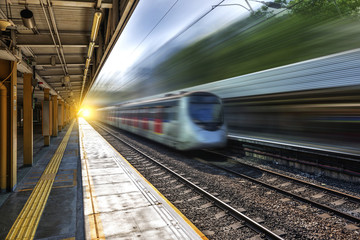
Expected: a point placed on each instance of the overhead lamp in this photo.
(67, 78)
(87, 63)
(27, 17)
(91, 49)
(53, 60)
(95, 26)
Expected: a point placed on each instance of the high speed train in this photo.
(311, 104)
(186, 121)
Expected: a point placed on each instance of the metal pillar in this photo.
(8, 78)
(65, 113)
(60, 114)
(46, 117)
(28, 120)
(54, 116)
(3, 136)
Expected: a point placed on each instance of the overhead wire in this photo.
(148, 34)
(184, 30)
(162, 18)
(177, 35)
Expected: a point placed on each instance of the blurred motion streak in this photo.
(290, 74)
(266, 39)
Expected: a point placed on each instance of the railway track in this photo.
(335, 202)
(201, 200)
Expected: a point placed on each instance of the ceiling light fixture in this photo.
(91, 49)
(27, 17)
(95, 26)
(67, 78)
(53, 60)
(94, 33)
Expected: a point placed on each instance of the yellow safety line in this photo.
(202, 235)
(27, 222)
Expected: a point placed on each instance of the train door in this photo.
(172, 129)
(145, 118)
(158, 120)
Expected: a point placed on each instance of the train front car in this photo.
(202, 122)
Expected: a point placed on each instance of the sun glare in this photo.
(85, 112)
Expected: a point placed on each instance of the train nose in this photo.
(209, 139)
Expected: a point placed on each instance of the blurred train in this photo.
(185, 121)
(313, 104)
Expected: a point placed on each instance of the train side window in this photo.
(173, 113)
(147, 113)
(160, 113)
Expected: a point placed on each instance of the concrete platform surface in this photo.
(118, 202)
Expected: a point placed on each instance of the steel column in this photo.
(54, 116)
(62, 114)
(60, 124)
(8, 72)
(46, 117)
(3, 137)
(28, 120)
(65, 113)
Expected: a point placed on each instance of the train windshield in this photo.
(206, 111)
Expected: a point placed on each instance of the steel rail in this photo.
(318, 205)
(332, 191)
(235, 213)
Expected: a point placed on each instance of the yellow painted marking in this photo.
(166, 200)
(74, 183)
(171, 205)
(96, 228)
(27, 222)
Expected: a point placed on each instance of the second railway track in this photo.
(327, 199)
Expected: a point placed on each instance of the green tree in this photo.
(325, 8)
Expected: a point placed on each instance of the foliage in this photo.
(325, 8)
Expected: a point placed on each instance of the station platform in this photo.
(82, 188)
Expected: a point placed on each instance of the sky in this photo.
(155, 28)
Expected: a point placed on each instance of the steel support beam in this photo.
(60, 115)
(65, 112)
(62, 3)
(70, 65)
(8, 72)
(28, 120)
(46, 117)
(3, 137)
(54, 115)
(52, 45)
